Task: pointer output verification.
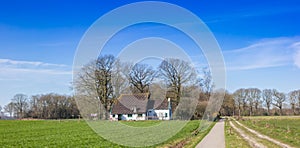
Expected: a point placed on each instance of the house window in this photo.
(166, 114)
(129, 115)
(140, 115)
(120, 116)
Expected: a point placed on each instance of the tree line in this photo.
(256, 102)
(242, 102)
(45, 106)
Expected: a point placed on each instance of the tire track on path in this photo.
(250, 140)
(264, 136)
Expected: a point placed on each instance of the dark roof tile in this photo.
(140, 103)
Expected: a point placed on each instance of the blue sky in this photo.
(260, 41)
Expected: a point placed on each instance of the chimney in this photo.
(170, 108)
(134, 109)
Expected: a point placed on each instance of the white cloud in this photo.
(18, 70)
(297, 59)
(35, 71)
(265, 53)
(27, 63)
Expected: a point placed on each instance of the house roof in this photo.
(157, 104)
(137, 103)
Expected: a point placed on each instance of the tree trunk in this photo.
(293, 108)
(280, 111)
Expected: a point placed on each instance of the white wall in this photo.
(161, 114)
(125, 117)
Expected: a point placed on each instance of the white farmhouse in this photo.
(140, 107)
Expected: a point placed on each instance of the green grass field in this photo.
(259, 140)
(70, 133)
(285, 129)
(141, 123)
(49, 134)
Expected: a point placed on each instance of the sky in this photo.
(259, 39)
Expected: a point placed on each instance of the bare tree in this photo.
(119, 78)
(158, 90)
(1, 113)
(33, 104)
(242, 99)
(177, 73)
(294, 98)
(10, 108)
(267, 96)
(228, 105)
(253, 96)
(95, 81)
(140, 78)
(103, 72)
(279, 98)
(20, 103)
(250, 100)
(206, 82)
(239, 99)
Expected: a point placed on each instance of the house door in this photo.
(120, 116)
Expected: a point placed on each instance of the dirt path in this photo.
(250, 140)
(264, 136)
(215, 138)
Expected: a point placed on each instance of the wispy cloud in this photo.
(14, 69)
(249, 13)
(296, 46)
(9, 62)
(265, 53)
(35, 71)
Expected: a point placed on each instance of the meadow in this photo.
(282, 129)
(285, 129)
(50, 133)
(73, 133)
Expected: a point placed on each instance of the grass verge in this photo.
(184, 136)
(194, 140)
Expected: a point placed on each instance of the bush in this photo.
(265, 114)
